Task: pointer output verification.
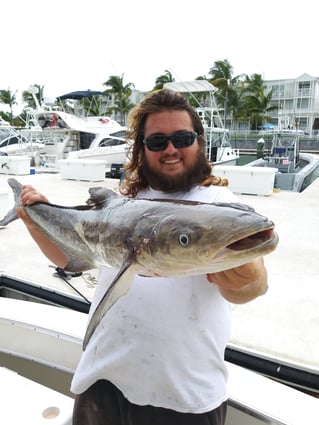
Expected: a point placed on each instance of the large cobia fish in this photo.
(149, 237)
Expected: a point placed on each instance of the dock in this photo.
(283, 324)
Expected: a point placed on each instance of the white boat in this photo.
(294, 168)
(14, 142)
(43, 317)
(219, 149)
(36, 372)
(67, 135)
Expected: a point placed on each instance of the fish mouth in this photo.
(254, 240)
(252, 245)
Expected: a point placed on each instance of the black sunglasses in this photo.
(180, 139)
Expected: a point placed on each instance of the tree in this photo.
(7, 97)
(95, 105)
(121, 95)
(167, 77)
(257, 101)
(223, 79)
(255, 84)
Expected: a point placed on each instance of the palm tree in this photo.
(94, 105)
(258, 102)
(236, 103)
(258, 106)
(223, 79)
(7, 97)
(167, 77)
(121, 95)
(254, 85)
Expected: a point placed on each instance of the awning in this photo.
(77, 95)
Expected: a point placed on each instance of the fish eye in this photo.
(184, 239)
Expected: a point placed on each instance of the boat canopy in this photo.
(191, 86)
(77, 95)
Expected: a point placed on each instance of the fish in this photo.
(150, 237)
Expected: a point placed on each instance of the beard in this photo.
(179, 182)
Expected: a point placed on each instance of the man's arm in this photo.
(29, 195)
(242, 284)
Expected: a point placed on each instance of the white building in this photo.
(297, 101)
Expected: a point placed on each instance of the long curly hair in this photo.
(159, 101)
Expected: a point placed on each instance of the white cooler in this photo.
(246, 179)
(17, 165)
(80, 169)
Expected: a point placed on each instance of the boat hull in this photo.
(52, 331)
(291, 181)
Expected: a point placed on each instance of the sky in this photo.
(67, 45)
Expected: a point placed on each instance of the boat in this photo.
(83, 138)
(293, 168)
(14, 142)
(43, 315)
(66, 135)
(219, 148)
(36, 373)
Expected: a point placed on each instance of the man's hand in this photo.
(242, 284)
(30, 195)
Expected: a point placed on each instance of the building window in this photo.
(302, 103)
(304, 88)
(278, 90)
(303, 122)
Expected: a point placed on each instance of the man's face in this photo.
(170, 169)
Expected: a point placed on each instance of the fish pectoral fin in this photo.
(119, 287)
(78, 264)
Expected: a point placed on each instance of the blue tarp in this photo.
(268, 125)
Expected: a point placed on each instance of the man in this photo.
(157, 357)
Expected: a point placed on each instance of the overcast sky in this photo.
(68, 45)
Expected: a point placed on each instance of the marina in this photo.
(272, 355)
(275, 332)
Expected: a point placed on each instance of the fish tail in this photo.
(12, 214)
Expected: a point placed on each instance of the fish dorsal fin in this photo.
(173, 201)
(100, 196)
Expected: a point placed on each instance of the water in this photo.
(244, 159)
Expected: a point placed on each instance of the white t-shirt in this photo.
(163, 343)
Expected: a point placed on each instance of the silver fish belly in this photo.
(149, 237)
